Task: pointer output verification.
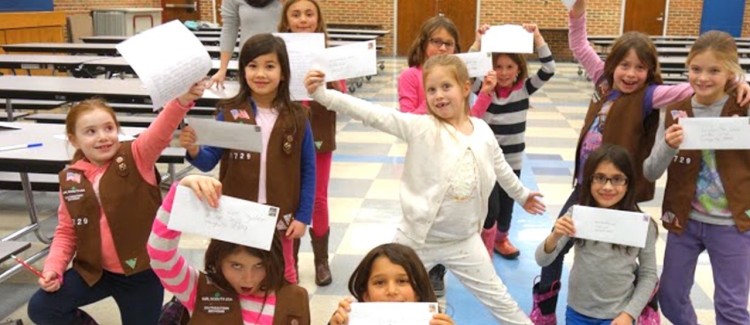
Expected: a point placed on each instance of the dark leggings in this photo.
(500, 208)
(553, 272)
(139, 297)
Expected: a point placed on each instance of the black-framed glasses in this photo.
(439, 43)
(602, 179)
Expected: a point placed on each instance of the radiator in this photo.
(109, 23)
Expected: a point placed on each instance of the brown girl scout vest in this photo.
(216, 306)
(733, 167)
(128, 201)
(239, 171)
(625, 126)
(323, 124)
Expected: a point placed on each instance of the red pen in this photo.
(27, 266)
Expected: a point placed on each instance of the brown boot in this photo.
(320, 250)
(504, 247)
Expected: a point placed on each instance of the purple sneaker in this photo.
(543, 310)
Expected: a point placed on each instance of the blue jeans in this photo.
(573, 317)
(138, 296)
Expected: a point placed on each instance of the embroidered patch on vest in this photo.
(73, 194)
(73, 177)
(668, 217)
(131, 262)
(747, 213)
(318, 144)
(292, 320)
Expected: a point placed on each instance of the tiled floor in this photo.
(365, 209)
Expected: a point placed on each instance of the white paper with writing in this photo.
(715, 133)
(508, 39)
(478, 63)
(611, 226)
(392, 313)
(168, 59)
(237, 221)
(228, 135)
(568, 4)
(301, 47)
(354, 60)
(121, 137)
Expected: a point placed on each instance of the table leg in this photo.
(9, 109)
(29, 196)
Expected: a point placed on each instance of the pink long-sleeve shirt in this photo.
(146, 150)
(411, 98)
(181, 279)
(594, 65)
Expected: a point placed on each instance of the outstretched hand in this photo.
(195, 92)
(206, 188)
(534, 205)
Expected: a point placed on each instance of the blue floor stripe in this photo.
(526, 233)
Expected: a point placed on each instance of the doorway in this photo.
(646, 16)
(412, 13)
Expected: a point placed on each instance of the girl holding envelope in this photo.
(608, 282)
(238, 285)
(706, 204)
(108, 197)
(452, 163)
(506, 115)
(283, 173)
(305, 16)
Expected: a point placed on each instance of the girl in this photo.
(240, 284)
(98, 226)
(438, 35)
(304, 16)
(444, 201)
(250, 16)
(389, 273)
(705, 201)
(506, 116)
(283, 174)
(602, 289)
(627, 89)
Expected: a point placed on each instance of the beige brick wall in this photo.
(79, 6)
(684, 17)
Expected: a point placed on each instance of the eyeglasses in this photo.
(439, 43)
(602, 179)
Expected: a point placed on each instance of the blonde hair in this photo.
(723, 47)
(454, 66)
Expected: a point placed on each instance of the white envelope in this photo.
(507, 39)
(611, 226)
(392, 313)
(347, 61)
(568, 4)
(239, 136)
(236, 221)
(301, 47)
(168, 59)
(715, 133)
(478, 63)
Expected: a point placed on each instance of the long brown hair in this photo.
(400, 255)
(620, 157)
(418, 50)
(255, 46)
(645, 50)
(81, 108)
(273, 262)
(724, 48)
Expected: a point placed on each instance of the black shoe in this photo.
(437, 273)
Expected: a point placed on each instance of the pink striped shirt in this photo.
(180, 278)
(146, 150)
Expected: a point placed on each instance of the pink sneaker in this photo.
(546, 301)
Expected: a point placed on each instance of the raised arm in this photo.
(579, 44)
(177, 276)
